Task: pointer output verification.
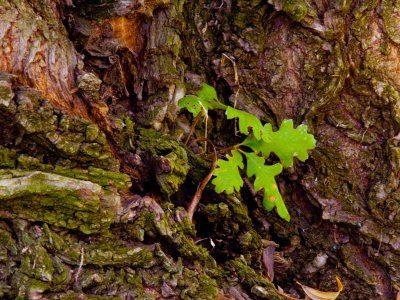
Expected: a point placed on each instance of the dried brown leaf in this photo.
(314, 294)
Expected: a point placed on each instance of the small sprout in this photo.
(287, 142)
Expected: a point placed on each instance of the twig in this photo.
(206, 135)
(228, 149)
(78, 272)
(197, 196)
(192, 128)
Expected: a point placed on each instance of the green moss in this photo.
(251, 280)
(134, 279)
(170, 158)
(89, 84)
(113, 253)
(93, 149)
(55, 199)
(296, 9)
(92, 132)
(107, 178)
(107, 265)
(74, 124)
(70, 295)
(7, 157)
(233, 225)
(64, 144)
(43, 264)
(32, 163)
(31, 100)
(124, 132)
(26, 287)
(92, 277)
(395, 157)
(390, 15)
(62, 275)
(216, 211)
(197, 286)
(152, 278)
(8, 245)
(389, 95)
(177, 164)
(189, 250)
(59, 135)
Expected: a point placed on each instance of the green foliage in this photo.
(265, 179)
(227, 175)
(206, 99)
(193, 104)
(247, 121)
(287, 142)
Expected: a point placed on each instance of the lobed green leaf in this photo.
(265, 179)
(247, 121)
(286, 143)
(227, 175)
(193, 104)
(206, 99)
(207, 93)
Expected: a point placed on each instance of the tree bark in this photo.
(95, 178)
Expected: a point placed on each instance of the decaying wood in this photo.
(36, 48)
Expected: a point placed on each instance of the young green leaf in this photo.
(227, 176)
(247, 121)
(206, 99)
(286, 143)
(265, 179)
(192, 103)
(208, 95)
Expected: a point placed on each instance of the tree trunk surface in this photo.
(95, 178)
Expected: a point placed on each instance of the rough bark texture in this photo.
(94, 178)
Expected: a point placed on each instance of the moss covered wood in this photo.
(80, 78)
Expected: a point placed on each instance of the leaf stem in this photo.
(197, 196)
(192, 128)
(230, 148)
